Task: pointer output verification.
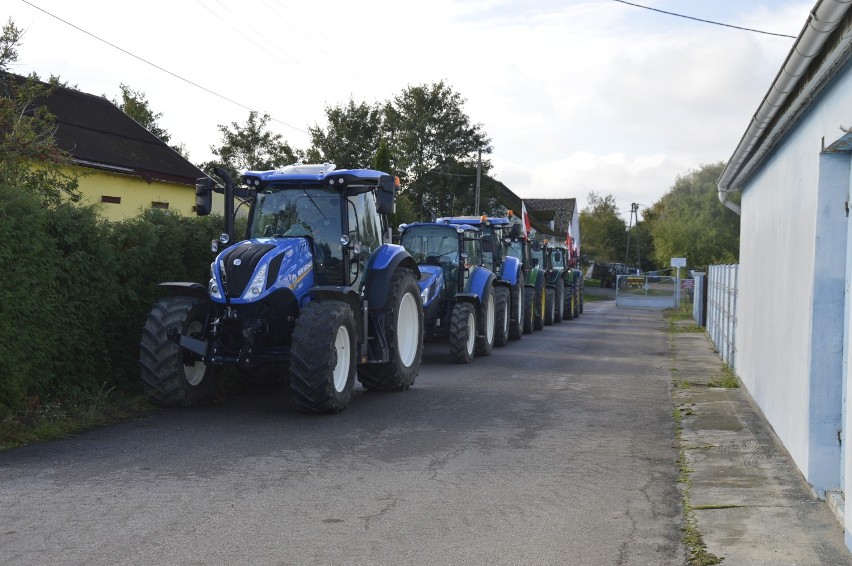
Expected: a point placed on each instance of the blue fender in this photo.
(511, 269)
(380, 269)
(480, 277)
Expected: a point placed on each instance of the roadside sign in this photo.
(687, 283)
(678, 262)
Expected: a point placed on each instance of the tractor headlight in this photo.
(424, 295)
(256, 286)
(213, 288)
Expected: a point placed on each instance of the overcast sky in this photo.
(576, 95)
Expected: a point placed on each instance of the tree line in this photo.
(688, 221)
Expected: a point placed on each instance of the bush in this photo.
(75, 293)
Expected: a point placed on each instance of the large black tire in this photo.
(322, 357)
(171, 376)
(576, 302)
(462, 333)
(539, 307)
(517, 304)
(403, 314)
(580, 294)
(560, 301)
(487, 320)
(549, 306)
(529, 314)
(501, 316)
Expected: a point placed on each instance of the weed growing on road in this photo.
(726, 378)
(692, 539)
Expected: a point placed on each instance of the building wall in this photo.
(792, 271)
(136, 194)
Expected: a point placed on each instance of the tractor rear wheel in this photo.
(170, 375)
(462, 333)
(569, 303)
(501, 316)
(540, 304)
(560, 300)
(517, 305)
(550, 306)
(576, 302)
(487, 325)
(322, 357)
(403, 314)
(529, 314)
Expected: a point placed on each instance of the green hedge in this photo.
(75, 292)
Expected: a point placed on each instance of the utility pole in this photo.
(634, 213)
(629, 227)
(478, 179)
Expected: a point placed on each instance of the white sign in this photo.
(678, 262)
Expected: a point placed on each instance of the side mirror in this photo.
(536, 246)
(203, 196)
(557, 257)
(515, 231)
(385, 203)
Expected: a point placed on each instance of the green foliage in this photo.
(435, 146)
(75, 296)
(689, 221)
(250, 146)
(382, 160)
(351, 138)
(30, 159)
(604, 231)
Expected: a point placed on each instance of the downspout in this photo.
(821, 23)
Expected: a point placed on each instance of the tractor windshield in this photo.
(434, 245)
(288, 210)
(515, 248)
(537, 254)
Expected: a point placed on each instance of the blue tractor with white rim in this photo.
(314, 294)
(495, 233)
(457, 291)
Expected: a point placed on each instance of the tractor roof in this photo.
(441, 223)
(473, 220)
(322, 173)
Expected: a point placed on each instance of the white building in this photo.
(793, 329)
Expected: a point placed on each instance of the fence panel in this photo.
(722, 310)
(646, 292)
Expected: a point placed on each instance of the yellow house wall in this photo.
(137, 195)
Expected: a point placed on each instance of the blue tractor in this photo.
(508, 270)
(314, 294)
(458, 293)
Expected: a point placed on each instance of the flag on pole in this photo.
(525, 218)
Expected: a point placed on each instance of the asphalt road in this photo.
(557, 449)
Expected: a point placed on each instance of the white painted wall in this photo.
(786, 355)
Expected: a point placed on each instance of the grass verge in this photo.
(49, 421)
(726, 378)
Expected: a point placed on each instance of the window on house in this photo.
(111, 200)
(163, 205)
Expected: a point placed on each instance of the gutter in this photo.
(755, 143)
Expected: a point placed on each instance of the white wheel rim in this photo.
(506, 317)
(407, 330)
(194, 373)
(520, 308)
(489, 319)
(344, 358)
(471, 333)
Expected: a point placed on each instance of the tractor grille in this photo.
(246, 256)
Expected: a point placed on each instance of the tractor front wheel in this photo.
(462, 333)
(517, 305)
(549, 306)
(403, 314)
(170, 375)
(501, 318)
(560, 300)
(485, 339)
(322, 357)
(540, 304)
(529, 309)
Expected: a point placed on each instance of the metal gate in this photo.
(646, 291)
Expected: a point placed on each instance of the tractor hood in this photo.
(431, 283)
(250, 271)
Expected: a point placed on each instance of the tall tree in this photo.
(250, 146)
(689, 221)
(604, 231)
(432, 137)
(351, 138)
(135, 104)
(30, 158)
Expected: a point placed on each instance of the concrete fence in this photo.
(722, 310)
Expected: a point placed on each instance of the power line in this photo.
(159, 68)
(703, 21)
